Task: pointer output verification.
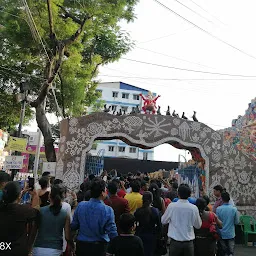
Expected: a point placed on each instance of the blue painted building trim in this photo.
(122, 103)
(130, 87)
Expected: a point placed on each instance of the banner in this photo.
(49, 167)
(13, 162)
(25, 162)
(17, 144)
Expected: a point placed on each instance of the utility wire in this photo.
(205, 31)
(161, 37)
(207, 11)
(179, 79)
(192, 10)
(189, 70)
(163, 54)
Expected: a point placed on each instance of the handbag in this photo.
(161, 247)
(213, 227)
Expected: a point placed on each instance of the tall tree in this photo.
(59, 45)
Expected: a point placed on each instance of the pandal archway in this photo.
(224, 164)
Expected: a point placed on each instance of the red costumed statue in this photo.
(149, 103)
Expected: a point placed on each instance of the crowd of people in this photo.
(124, 216)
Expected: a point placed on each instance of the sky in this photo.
(223, 41)
(220, 40)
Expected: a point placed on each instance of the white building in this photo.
(122, 96)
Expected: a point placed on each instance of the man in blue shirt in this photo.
(95, 222)
(229, 216)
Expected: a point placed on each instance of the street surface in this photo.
(241, 251)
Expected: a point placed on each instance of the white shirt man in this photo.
(182, 218)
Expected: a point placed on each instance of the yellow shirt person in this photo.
(134, 198)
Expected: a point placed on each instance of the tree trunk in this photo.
(45, 128)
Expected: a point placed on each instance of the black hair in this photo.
(91, 176)
(57, 182)
(147, 200)
(146, 179)
(154, 189)
(43, 182)
(207, 199)
(218, 188)
(143, 183)
(56, 195)
(184, 191)
(11, 193)
(225, 197)
(97, 187)
(46, 174)
(112, 187)
(175, 185)
(122, 178)
(152, 181)
(82, 194)
(138, 174)
(127, 221)
(201, 205)
(4, 177)
(172, 194)
(135, 185)
(159, 183)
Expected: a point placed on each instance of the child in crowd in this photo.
(126, 244)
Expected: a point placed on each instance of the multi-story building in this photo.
(121, 96)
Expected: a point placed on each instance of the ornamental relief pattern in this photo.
(224, 164)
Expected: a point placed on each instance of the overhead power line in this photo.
(205, 31)
(179, 79)
(161, 37)
(192, 10)
(163, 54)
(189, 70)
(206, 11)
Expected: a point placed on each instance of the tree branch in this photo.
(75, 36)
(68, 15)
(62, 95)
(50, 17)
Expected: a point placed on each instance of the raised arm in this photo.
(156, 98)
(141, 95)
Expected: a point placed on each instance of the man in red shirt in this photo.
(119, 204)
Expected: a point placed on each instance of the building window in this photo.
(124, 108)
(133, 150)
(94, 146)
(136, 97)
(99, 91)
(121, 149)
(111, 148)
(115, 94)
(125, 95)
(145, 156)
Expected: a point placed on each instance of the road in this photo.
(241, 251)
(245, 251)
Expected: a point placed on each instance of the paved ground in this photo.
(245, 251)
(242, 251)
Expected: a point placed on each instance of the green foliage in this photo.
(10, 112)
(23, 57)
